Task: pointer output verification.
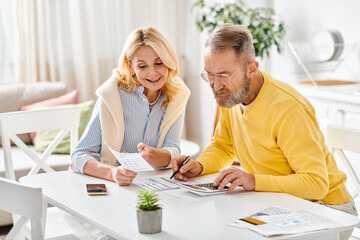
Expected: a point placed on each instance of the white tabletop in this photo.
(115, 213)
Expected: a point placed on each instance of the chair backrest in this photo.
(26, 202)
(65, 119)
(341, 139)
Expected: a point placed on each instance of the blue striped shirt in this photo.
(141, 125)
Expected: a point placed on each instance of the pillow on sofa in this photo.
(68, 98)
(16, 95)
(44, 138)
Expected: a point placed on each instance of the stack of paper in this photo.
(155, 183)
(279, 221)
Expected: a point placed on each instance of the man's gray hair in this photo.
(236, 37)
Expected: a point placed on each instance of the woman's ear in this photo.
(131, 69)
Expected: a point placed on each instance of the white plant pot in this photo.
(149, 221)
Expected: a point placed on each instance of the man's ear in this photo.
(252, 69)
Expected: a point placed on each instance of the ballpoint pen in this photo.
(182, 164)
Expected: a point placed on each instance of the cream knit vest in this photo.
(112, 118)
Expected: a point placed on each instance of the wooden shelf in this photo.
(326, 82)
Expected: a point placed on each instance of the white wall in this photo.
(200, 114)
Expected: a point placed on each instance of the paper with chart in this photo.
(280, 221)
(160, 184)
(170, 187)
(132, 161)
(155, 183)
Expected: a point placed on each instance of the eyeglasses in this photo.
(210, 78)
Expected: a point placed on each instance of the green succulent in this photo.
(267, 29)
(147, 200)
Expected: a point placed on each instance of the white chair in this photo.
(25, 201)
(341, 139)
(12, 123)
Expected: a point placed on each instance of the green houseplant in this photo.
(266, 27)
(149, 212)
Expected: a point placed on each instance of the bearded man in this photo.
(268, 126)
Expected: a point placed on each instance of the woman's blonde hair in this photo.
(154, 39)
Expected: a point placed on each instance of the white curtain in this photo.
(79, 41)
(76, 41)
(7, 54)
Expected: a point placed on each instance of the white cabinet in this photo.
(347, 115)
(334, 104)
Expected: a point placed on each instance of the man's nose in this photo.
(217, 84)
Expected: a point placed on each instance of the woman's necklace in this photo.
(156, 100)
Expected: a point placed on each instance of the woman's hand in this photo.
(158, 158)
(119, 175)
(122, 176)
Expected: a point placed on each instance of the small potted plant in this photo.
(149, 212)
(266, 27)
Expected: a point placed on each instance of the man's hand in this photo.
(236, 177)
(191, 169)
(123, 177)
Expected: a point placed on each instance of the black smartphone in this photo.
(96, 189)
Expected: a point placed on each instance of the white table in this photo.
(115, 213)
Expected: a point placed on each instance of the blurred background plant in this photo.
(266, 27)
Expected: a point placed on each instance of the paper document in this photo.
(280, 221)
(156, 183)
(132, 161)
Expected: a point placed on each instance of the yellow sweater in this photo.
(278, 139)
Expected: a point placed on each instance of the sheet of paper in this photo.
(190, 197)
(280, 221)
(156, 183)
(132, 161)
(196, 196)
(199, 189)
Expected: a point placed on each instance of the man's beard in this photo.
(233, 98)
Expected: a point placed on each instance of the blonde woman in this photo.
(140, 108)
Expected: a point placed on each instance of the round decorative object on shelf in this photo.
(327, 45)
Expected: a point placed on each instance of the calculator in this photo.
(202, 189)
(209, 186)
